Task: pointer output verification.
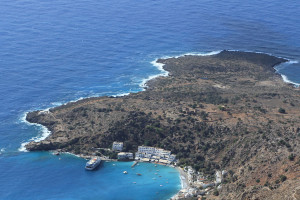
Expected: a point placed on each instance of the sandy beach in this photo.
(183, 178)
(184, 182)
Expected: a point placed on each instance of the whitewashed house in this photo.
(165, 153)
(172, 158)
(146, 149)
(117, 146)
(125, 156)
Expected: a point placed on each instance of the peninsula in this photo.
(227, 111)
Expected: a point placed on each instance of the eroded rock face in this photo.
(214, 112)
(40, 146)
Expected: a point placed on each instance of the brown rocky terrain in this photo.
(226, 111)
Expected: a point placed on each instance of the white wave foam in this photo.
(293, 62)
(260, 52)
(211, 53)
(202, 54)
(22, 147)
(72, 154)
(2, 150)
(160, 66)
(121, 94)
(44, 132)
(56, 104)
(285, 79)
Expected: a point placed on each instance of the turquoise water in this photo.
(65, 178)
(52, 52)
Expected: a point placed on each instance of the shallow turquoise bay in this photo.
(47, 176)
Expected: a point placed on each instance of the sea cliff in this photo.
(230, 110)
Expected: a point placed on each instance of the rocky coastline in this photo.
(225, 111)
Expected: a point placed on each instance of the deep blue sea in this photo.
(52, 52)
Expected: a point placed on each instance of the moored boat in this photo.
(93, 163)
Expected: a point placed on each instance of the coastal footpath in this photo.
(226, 111)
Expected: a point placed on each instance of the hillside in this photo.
(226, 111)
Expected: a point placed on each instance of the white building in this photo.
(146, 149)
(172, 157)
(155, 154)
(157, 151)
(139, 155)
(165, 153)
(117, 146)
(125, 156)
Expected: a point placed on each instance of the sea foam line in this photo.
(42, 129)
(45, 132)
(284, 77)
(121, 94)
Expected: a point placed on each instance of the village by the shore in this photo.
(193, 183)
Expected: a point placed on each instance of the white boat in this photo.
(125, 172)
(93, 163)
(56, 153)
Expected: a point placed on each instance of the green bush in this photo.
(222, 108)
(281, 110)
(283, 178)
(291, 157)
(216, 192)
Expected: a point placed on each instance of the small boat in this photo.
(134, 164)
(93, 163)
(139, 174)
(125, 172)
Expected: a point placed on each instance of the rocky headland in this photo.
(226, 111)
